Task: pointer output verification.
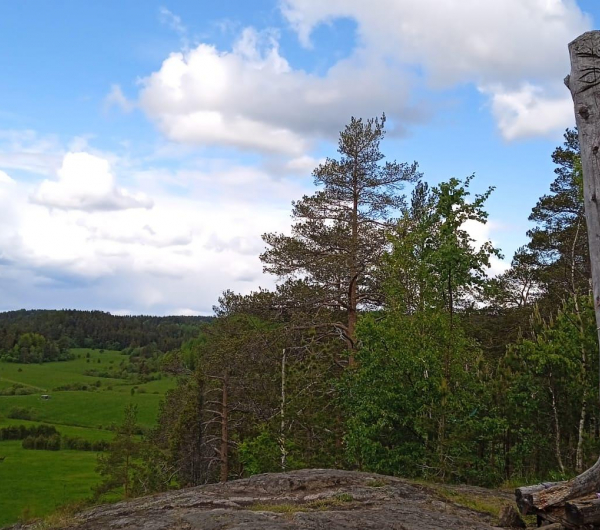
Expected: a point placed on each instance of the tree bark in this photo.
(583, 512)
(584, 84)
(542, 496)
(557, 433)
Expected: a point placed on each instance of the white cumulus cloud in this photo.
(85, 182)
(529, 112)
(251, 98)
(515, 51)
(5, 179)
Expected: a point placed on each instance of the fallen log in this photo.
(532, 499)
(583, 512)
(524, 496)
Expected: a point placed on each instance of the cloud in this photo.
(116, 98)
(481, 234)
(5, 179)
(181, 253)
(172, 21)
(251, 98)
(528, 112)
(27, 150)
(458, 40)
(85, 182)
(515, 51)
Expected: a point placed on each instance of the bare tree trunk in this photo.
(584, 84)
(581, 432)
(282, 440)
(225, 430)
(353, 287)
(557, 428)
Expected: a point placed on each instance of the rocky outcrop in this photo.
(307, 499)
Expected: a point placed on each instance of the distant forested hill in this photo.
(45, 335)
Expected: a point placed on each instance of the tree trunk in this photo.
(282, 439)
(557, 433)
(353, 287)
(584, 84)
(581, 432)
(225, 430)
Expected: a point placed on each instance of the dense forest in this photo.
(386, 345)
(45, 335)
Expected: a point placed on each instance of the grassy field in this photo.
(34, 483)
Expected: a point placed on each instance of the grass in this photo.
(34, 483)
(47, 376)
(68, 430)
(85, 409)
(484, 504)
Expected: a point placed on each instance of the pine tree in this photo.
(339, 233)
(119, 463)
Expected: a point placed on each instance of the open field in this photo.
(33, 483)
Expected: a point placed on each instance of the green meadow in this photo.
(32, 482)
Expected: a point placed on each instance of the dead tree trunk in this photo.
(584, 84)
(225, 429)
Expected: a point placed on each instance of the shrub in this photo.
(20, 432)
(21, 413)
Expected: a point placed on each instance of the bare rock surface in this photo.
(307, 499)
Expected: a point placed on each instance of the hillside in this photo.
(64, 329)
(308, 499)
(87, 394)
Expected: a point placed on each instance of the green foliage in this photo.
(400, 397)
(119, 463)
(549, 383)
(21, 413)
(261, 454)
(42, 336)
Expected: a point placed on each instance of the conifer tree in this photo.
(339, 233)
(119, 463)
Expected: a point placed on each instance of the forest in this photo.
(47, 335)
(386, 345)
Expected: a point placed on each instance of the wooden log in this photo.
(582, 485)
(581, 513)
(524, 496)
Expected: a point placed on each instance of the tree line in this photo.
(47, 335)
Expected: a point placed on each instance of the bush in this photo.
(17, 390)
(21, 432)
(21, 413)
(73, 387)
(47, 438)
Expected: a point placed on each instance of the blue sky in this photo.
(146, 146)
